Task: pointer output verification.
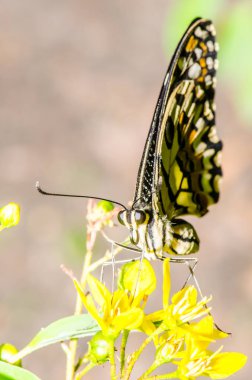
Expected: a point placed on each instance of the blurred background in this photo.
(78, 85)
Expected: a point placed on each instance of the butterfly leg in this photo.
(122, 245)
(113, 262)
(191, 269)
(188, 261)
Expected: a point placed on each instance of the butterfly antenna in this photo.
(40, 190)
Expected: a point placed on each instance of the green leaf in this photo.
(73, 327)
(11, 372)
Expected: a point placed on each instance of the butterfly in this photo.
(180, 169)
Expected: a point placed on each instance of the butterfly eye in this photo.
(140, 217)
(120, 217)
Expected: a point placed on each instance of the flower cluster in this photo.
(181, 331)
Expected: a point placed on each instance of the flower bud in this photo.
(164, 353)
(7, 351)
(137, 273)
(99, 348)
(9, 215)
(106, 206)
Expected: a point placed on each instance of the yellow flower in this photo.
(216, 365)
(184, 306)
(115, 311)
(9, 215)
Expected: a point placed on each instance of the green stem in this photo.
(84, 371)
(91, 237)
(125, 336)
(83, 360)
(112, 361)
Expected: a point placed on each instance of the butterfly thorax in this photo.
(155, 235)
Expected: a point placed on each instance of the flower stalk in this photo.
(125, 335)
(71, 356)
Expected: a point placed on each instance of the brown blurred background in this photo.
(78, 85)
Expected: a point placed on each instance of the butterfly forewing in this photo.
(180, 168)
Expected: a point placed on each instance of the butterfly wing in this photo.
(180, 168)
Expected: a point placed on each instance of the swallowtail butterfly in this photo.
(180, 170)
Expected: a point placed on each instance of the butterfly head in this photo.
(130, 218)
(136, 221)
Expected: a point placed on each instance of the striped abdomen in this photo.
(156, 235)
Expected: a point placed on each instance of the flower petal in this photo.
(148, 326)
(184, 298)
(225, 364)
(120, 301)
(99, 291)
(128, 320)
(156, 316)
(89, 304)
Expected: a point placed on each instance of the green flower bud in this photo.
(99, 348)
(106, 206)
(7, 351)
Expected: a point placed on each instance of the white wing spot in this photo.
(210, 45)
(191, 110)
(216, 64)
(213, 136)
(211, 29)
(194, 71)
(200, 33)
(217, 159)
(201, 147)
(199, 92)
(207, 111)
(210, 62)
(214, 82)
(200, 123)
(208, 80)
(198, 53)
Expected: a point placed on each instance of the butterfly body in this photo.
(180, 170)
(155, 235)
